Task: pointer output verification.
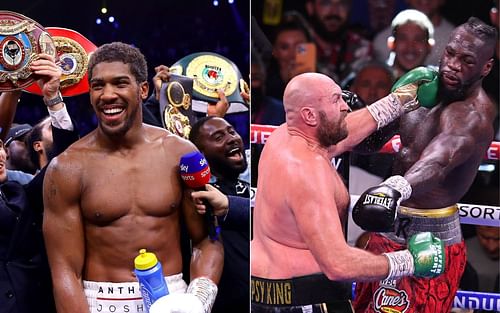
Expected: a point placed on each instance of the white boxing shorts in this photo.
(106, 297)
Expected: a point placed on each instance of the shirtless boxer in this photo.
(442, 150)
(118, 190)
(300, 259)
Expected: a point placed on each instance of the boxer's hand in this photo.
(162, 75)
(425, 257)
(199, 298)
(352, 100)
(428, 254)
(376, 209)
(417, 87)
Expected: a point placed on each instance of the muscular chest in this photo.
(120, 186)
(417, 129)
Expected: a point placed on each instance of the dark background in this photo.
(165, 31)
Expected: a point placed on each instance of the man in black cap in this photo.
(17, 155)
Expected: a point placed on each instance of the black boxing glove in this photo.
(352, 100)
(376, 209)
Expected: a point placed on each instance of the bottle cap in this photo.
(145, 260)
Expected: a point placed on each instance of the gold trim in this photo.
(434, 213)
(69, 48)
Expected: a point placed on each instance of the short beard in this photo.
(321, 30)
(455, 94)
(328, 132)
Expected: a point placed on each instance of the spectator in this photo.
(19, 165)
(483, 252)
(411, 41)
(442, 30)
(223, 149)
(339, 48)
(290, 33)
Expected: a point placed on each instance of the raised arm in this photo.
(63, 234)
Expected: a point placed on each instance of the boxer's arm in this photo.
(64, 234)
(360, 124)
(317, 217)
(208, 256)
(456, 142)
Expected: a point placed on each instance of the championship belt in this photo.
(211, 71)
(73, 51)
(21, 40)
(175, 105)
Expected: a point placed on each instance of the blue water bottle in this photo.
(150, 276)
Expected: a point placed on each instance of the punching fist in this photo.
(425, 257)
(420, 83)
(415, 88)
(376, 209)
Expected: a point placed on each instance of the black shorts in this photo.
(312, 293)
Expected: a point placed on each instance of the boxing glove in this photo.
(425, 257)
(199, 298)
(405, 96)
(426, 91)
(352, 100)
(376, 208)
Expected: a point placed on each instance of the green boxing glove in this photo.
(426, 91)
(428, 254)
(425, 257)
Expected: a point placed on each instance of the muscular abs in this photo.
(130, 202)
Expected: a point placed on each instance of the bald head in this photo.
(307, 90)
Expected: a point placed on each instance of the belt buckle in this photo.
(21, 40)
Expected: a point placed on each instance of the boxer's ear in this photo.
(308, 115)
(487, 67)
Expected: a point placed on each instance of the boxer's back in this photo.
(278, 249)
(469, 120)
(130, 199)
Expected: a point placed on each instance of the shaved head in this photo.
(313, 103)
(307, 90)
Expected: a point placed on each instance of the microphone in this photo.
(195, 173)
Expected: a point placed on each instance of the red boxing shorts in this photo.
(411, 294)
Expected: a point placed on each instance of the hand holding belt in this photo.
(21, 40)
(175, 105)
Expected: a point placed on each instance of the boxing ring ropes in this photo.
(473, 214)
